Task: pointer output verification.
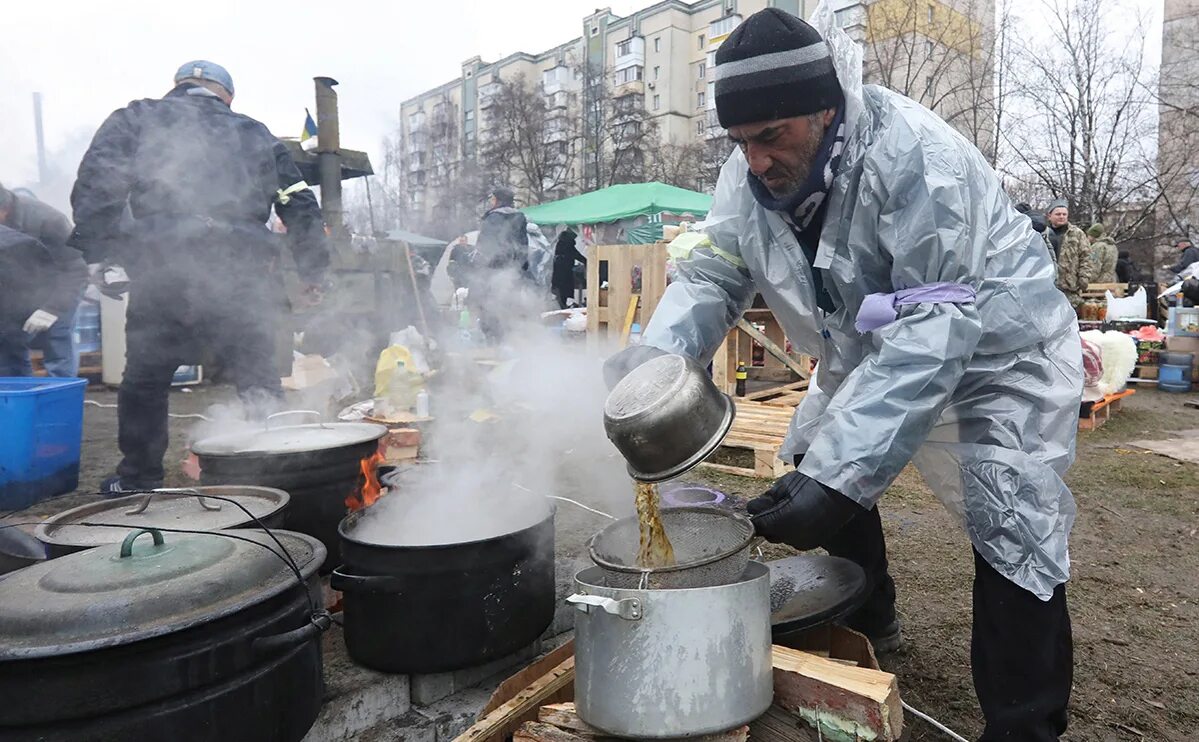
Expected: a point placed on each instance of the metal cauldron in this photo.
(667, 416)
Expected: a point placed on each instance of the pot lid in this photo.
(290, 439)
(151, 584)
(183, 509)
(813, 589)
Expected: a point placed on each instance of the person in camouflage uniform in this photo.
(1103, 255)
(1071, 251)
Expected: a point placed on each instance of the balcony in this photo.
(628, 81)
(718, 30)
(554, 79)
(558, 101)
(630, 53)
(416, 122)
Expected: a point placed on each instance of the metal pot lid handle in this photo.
(629, 608)
(180, 492)
(127, 544)
(314, 413)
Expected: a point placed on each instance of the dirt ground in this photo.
(1134, 597)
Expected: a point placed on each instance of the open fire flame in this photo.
(369, 489)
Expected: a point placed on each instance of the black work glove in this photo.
(800, 512)
(622, 364)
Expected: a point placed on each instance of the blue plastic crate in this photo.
(42, 424)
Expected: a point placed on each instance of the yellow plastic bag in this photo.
(385, 371)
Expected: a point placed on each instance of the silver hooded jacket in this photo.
(983, 397)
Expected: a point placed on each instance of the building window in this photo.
(701, 99)
(930, 85)
(624, 47)
(628, 74)
(657, 43)
(699, 126)
(657, 72)
(928, 47)
(470, 116)
(932, 12)
(657, 102)
(701, 41)
(469, 75)
(701, 70)
(595, 30)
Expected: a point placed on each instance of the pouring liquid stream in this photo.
(655, 550)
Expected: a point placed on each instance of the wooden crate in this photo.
(1101, 411)
(738, 348)
(607, 309)
(760, 428)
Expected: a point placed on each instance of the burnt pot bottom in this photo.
(448, 607)
(277, 701)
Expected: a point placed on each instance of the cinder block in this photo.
(428, 689)
(356, 699)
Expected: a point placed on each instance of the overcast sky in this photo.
(88, 57)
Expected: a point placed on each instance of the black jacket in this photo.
(1188, 256)
(566, 253)
(36, 276)
(186, 165)
(503, 239)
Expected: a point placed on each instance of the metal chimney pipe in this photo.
(328, 147)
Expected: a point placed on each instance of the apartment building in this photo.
(651, 67)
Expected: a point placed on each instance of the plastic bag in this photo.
(1129, 307)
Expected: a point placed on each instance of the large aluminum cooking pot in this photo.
(672, 663)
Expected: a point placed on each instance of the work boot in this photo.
(888, 640)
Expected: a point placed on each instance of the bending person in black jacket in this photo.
(199, 182)
(38, 284)
(501, 252)
(566, 254)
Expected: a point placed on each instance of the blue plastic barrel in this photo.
(42, 420)
(1171, 378)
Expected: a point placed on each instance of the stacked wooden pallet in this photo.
(759, 427)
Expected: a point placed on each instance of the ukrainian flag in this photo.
(308, 136)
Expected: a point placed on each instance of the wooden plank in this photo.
(780, 725)
(508, 689)
(507, 718)
(565, 718)
(738, 471)
(768, 465)
(838, 697)
(772, 348)
(535, 731)
(764, 393)
(724, 364)
(630, 314)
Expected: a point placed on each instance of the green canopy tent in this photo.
(620, 202)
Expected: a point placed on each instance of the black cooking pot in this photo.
(163, 640)
(423, 609)
(318, 465)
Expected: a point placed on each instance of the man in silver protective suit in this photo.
(886, 247)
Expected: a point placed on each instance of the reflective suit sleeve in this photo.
(713, 287)
(886, 406)
(102, 186)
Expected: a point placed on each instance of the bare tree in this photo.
(618, 132)
(1083, 111)
(531, 140)
(679, 165)
(943, 55)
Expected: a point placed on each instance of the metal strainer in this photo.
(711, 547)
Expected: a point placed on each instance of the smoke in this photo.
(505, 436)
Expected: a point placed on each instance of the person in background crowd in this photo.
(1038, 221)
(882, 242)
(566, 254)
(22, 211)
(199, 181)
(500, 254)
(1103, 255)
(1070, 250)
(1187, 254)
(1126, 270)
(39, 284)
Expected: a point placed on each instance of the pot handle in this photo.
(314, 413)
(145, 503)
(317, 624)
(127, 544)
(350, 583)
(629, 608)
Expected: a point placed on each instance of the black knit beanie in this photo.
(773, 66)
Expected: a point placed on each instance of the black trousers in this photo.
(1021, 649)
(173, 320)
